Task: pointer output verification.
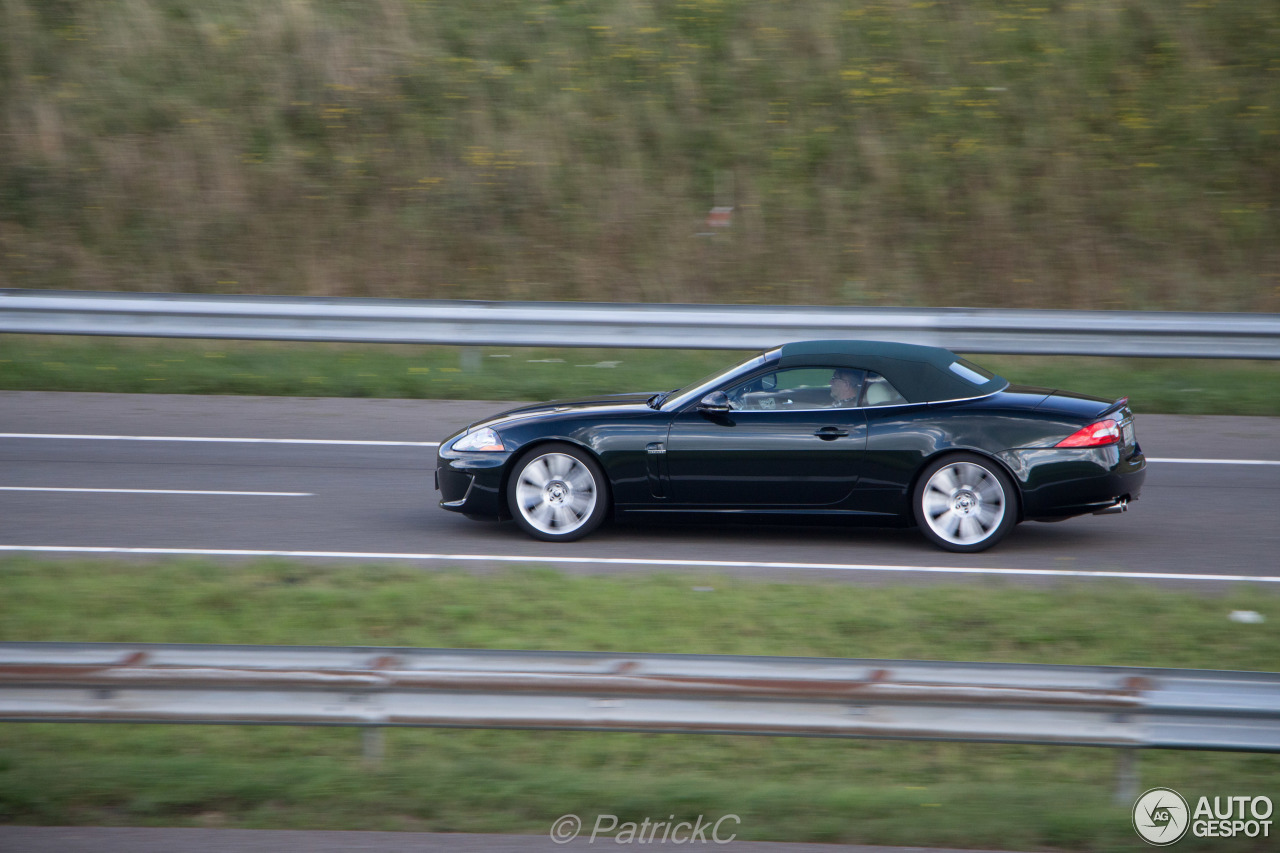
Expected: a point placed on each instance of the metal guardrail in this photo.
(748, 327)
(370, 687)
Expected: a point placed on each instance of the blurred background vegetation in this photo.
(1014, 153)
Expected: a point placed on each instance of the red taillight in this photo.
(1094, 435)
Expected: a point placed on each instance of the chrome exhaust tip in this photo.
(1115, 509)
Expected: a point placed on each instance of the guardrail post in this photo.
(1126, 777)
(469, 359)
(374, 744)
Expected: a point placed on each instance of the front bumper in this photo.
(471, 483)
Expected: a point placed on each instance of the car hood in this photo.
(600, 404)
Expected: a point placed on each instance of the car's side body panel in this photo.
(780, 459)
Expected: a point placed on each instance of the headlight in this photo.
(482, 439)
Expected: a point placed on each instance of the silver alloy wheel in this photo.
(964, 503)
(556, 493)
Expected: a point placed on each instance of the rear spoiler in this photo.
(1115, 407)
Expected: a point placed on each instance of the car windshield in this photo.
(681, 396)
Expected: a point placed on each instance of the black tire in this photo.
(965, 503)
(557, 493)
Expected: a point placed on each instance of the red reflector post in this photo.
(1094, 435)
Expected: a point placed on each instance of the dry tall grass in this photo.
(1046, 154)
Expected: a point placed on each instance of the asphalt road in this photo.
(77, 472)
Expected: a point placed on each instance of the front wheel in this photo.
(965, 503)
(557, 493)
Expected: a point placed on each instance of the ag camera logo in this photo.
(1160, 816)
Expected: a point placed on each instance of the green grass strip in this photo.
(848, 791)
(119, 365)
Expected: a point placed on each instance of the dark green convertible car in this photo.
(844, 431)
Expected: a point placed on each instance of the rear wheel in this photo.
(965, 503)
(557, 493)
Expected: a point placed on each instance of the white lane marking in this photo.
(219, 440)
(1216, 461)
(639, 561)
(156, 492)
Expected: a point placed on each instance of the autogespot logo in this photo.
(1160, 816)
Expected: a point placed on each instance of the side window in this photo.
(877, 391)
(797, 388)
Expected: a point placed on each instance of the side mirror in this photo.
(716, 402)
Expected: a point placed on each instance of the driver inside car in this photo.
(844, 388)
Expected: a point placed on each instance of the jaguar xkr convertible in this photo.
(844, 431)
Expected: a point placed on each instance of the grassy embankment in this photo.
(1018, 154)
(986, 796)
(34, 363)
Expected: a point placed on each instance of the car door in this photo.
(782, 443)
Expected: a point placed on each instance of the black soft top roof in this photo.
(921, 374)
